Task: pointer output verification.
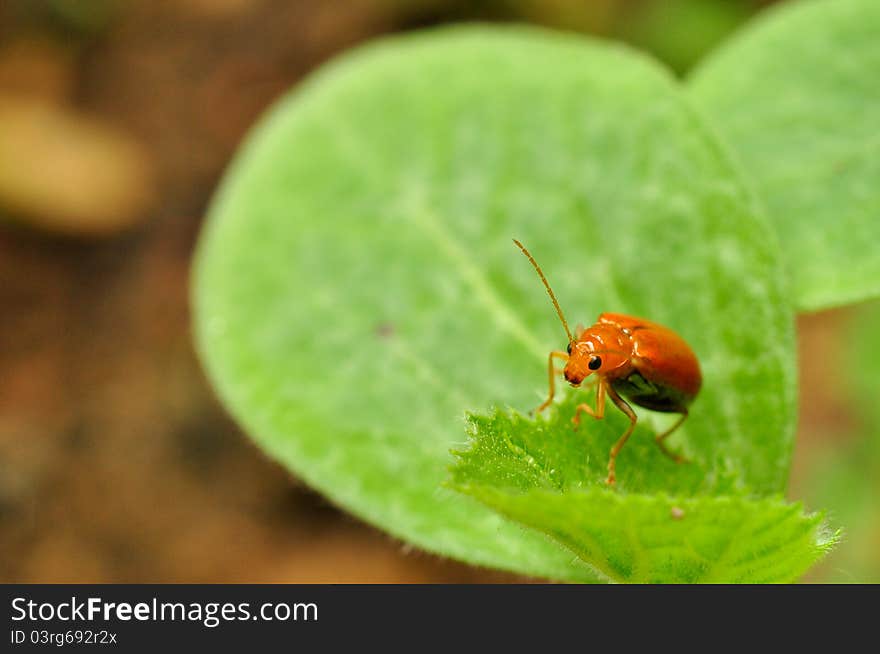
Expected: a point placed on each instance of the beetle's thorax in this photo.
(606, 347)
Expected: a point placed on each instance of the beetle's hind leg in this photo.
(678, 458)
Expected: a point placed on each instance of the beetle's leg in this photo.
(678, 458)
(627, 409)
(551, 372)
(598, 414)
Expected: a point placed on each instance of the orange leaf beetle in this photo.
(646, 363)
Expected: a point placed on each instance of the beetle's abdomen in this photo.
(651, 395)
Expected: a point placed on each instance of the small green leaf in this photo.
(796, 95)
(662, 523)
(357, 290)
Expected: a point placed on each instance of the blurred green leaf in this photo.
(862, 361)
(796, 95)
(356, 288)
(679, 32)
(663, 523)
(844, 473)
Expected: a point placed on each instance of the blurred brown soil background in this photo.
(117, 463)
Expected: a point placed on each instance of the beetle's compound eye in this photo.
(595, 363)
(569, 348)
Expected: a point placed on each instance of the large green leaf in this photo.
(663, 523)
(797, 97)
(356, 288)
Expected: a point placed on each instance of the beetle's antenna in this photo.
(547, 286)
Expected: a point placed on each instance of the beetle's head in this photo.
(597, 350)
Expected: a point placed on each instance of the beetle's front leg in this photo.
(551, 374)
(599, 413)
